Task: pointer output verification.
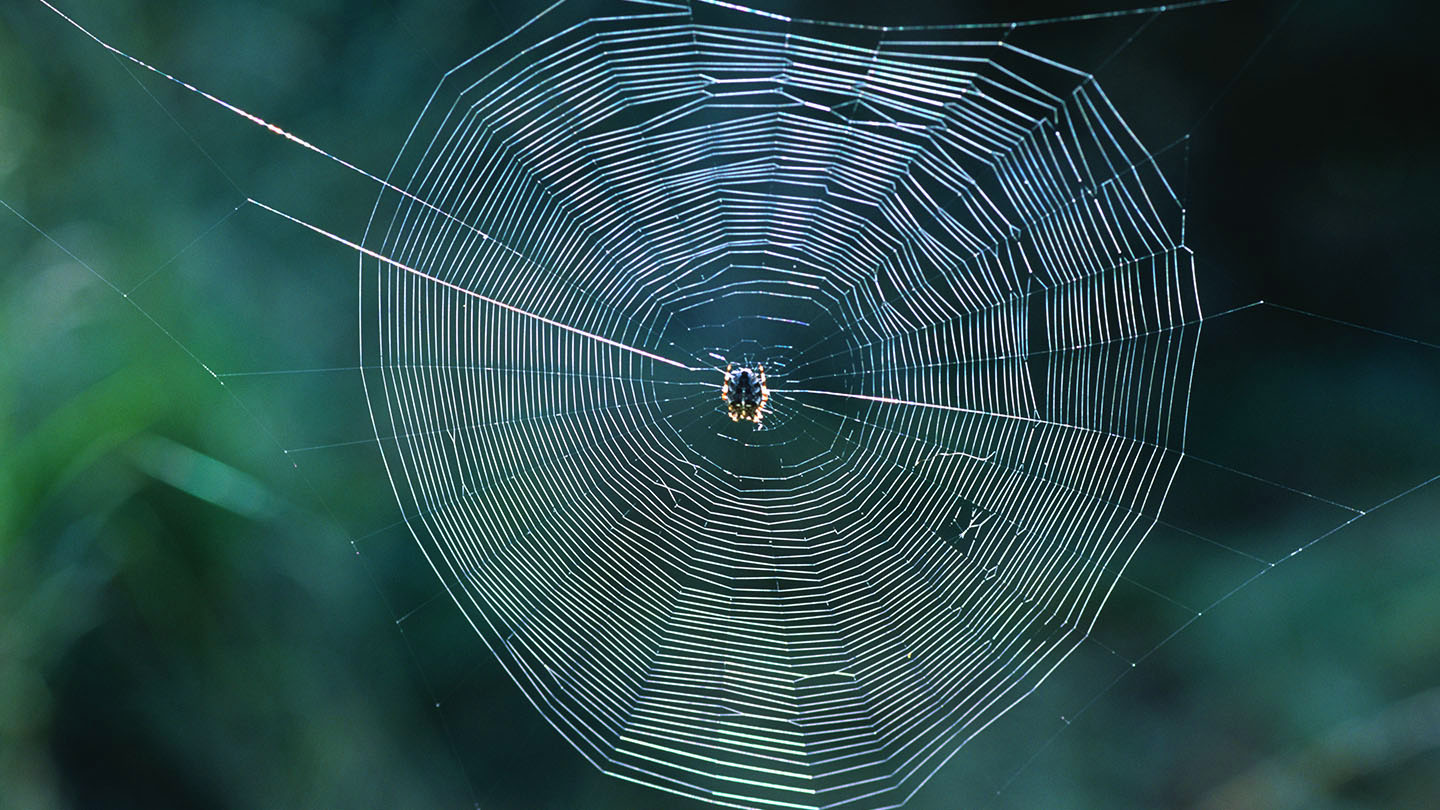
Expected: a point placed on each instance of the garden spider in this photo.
(745, 393)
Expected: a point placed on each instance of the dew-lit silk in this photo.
(965, 279)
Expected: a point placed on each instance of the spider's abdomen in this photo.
(745, 393)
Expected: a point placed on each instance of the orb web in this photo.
(966, 281)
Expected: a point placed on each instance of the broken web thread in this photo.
(966, 281)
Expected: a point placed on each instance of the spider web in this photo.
(968, 282)
(965, 279)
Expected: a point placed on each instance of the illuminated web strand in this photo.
(1097, 15)
(464, 291)
(277, 130)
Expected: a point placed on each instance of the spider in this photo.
(745, 393)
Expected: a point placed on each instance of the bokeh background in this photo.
(205, 599)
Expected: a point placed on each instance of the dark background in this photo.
(198, 611)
